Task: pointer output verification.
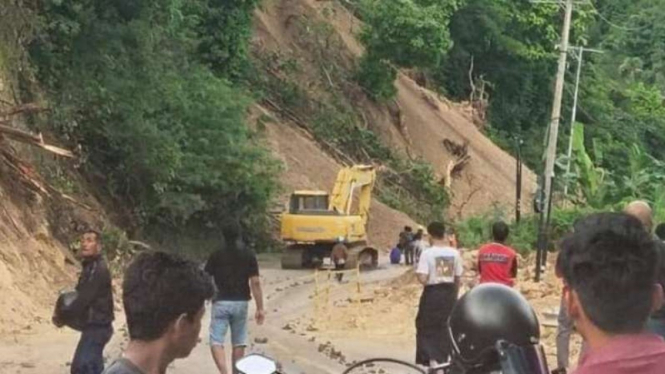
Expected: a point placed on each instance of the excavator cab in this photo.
(309, 202)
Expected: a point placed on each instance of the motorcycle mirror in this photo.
(256, 364)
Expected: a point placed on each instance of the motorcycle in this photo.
(511, 359)
(492, 328)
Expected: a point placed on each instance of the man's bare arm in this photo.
(257, 293)
(423, 278)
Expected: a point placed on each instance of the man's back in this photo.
(339, 253)
(231, 269)
(497, 263)
(441, 264)
(629, 354)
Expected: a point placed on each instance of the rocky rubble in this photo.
(389, 312)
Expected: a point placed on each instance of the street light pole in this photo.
(574, 110)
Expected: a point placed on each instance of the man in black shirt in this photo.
(234, 270)
(93, 307)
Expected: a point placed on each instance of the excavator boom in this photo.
(348, 180)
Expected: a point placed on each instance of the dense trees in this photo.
(510, 45)
(129, 82)
(155, 93)
(402, 34)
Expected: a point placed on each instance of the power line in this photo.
(620, 27)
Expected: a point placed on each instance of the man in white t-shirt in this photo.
(439, 270)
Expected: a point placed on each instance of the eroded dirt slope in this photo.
(418, 121)
(306, 166)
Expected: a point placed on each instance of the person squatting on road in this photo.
(164, 297)
(497, 263)
(235, 270)
(92, 308)
(439, 270)
(610, 288)
(339, 255)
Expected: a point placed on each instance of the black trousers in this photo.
(339, 267)
(432, 339)
(409, 255)
(89, 355)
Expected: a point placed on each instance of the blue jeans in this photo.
(656, 326)
(89, 355)
(225, 315)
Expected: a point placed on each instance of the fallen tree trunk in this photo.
(25, 108)
(32, 139)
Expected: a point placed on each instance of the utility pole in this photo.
(556, 105)
(574, 109)
(553, 136)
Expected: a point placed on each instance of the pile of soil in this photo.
(389, 311)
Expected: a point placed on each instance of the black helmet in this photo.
(489, 317)
(63, 310)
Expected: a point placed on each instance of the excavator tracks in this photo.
(293, 258)
(361, 254)
(304, 256)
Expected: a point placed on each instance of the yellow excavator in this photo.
(315, 220)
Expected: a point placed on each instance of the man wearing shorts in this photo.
(235, 271)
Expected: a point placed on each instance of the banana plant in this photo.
(593, 181)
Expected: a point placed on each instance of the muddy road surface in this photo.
(289, 298)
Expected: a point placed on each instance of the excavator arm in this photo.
(348, 180)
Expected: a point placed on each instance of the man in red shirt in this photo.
(610, 289)
(497, 263)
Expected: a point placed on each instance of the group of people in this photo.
(439, 270)
(613, 272)
(409, 245)
(611, 264)
(164, 299)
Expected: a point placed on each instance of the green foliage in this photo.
(413, 190)
(509, 44)
(407, 32)
(591, 179)
(403, 33)
(116, 244)
(224, 31)
(167, 135)
(377, 77)
(409, 186)
(477, 230)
